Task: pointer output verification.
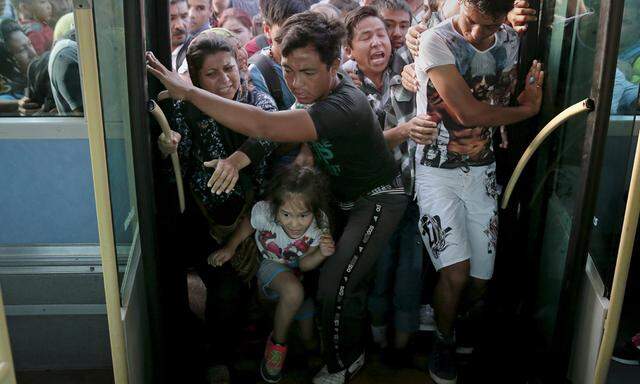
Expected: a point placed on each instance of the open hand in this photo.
(176, 86)
(531, 95)
(225, 176)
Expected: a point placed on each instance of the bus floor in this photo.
(501, 355)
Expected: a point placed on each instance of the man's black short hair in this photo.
(493, 8)
(276, 12)
(312, 28)
(353, 18)
(393, 5)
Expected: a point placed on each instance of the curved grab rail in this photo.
(586, 105)
(157, 113)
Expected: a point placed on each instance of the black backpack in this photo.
(271, 78)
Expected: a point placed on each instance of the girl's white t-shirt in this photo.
(274, 243)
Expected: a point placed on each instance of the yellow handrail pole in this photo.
(583, 106)
(623, 261)
(7, 374)
(93, 115)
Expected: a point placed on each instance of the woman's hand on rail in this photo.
(176, 86)
(169, 145)
(531, 95)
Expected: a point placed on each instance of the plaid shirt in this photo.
(394, 106)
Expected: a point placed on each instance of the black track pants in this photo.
(346, 276)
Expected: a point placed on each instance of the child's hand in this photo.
(327, 246)
(221, 256)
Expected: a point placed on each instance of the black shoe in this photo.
(442, 363)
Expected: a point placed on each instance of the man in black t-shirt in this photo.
(348, 143)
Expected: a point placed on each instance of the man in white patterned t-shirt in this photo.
(467, 73)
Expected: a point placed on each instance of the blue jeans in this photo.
(399, 275)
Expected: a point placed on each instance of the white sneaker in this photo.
(341, 377)
(427, 322)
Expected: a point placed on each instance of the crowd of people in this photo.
(39, 71)
(353, 139)
(327, 146)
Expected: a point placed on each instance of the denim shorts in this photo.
(267, 271)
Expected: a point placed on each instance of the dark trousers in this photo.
(346, 276)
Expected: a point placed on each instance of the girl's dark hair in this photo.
(315, 29)
(309, 182)
(205, 44)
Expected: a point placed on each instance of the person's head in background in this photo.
(238, 22)
(39, 10)
(397, 18)
(311, 45)
(16, 53)
(64, 25)
(367, 41)
(199, 15)
(218, 6)
(345, 6)
(275, 13)
(213, 65)
(60, 8)
(241, 54)
(479, 20)
(18, 47)
(179, 22)
(328, 10)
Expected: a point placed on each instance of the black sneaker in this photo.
(442, 363)
(629, 353)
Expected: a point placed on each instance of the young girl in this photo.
(291, 232)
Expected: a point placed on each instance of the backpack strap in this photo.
(271, 78)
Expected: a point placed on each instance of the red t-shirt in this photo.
(253, 46)
(40, 34)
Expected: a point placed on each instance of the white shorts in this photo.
(459, 216)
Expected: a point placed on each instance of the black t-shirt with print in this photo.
(350, 145)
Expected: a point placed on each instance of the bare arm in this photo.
(311, 260)
(420, 129)
(285, 126)
(471, 112)
(316, 255)
(395, 136)
(225, 253)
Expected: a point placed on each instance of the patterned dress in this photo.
(205, 139)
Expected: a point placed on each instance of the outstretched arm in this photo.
(284, 126)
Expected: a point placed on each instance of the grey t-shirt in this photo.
(64, 74)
